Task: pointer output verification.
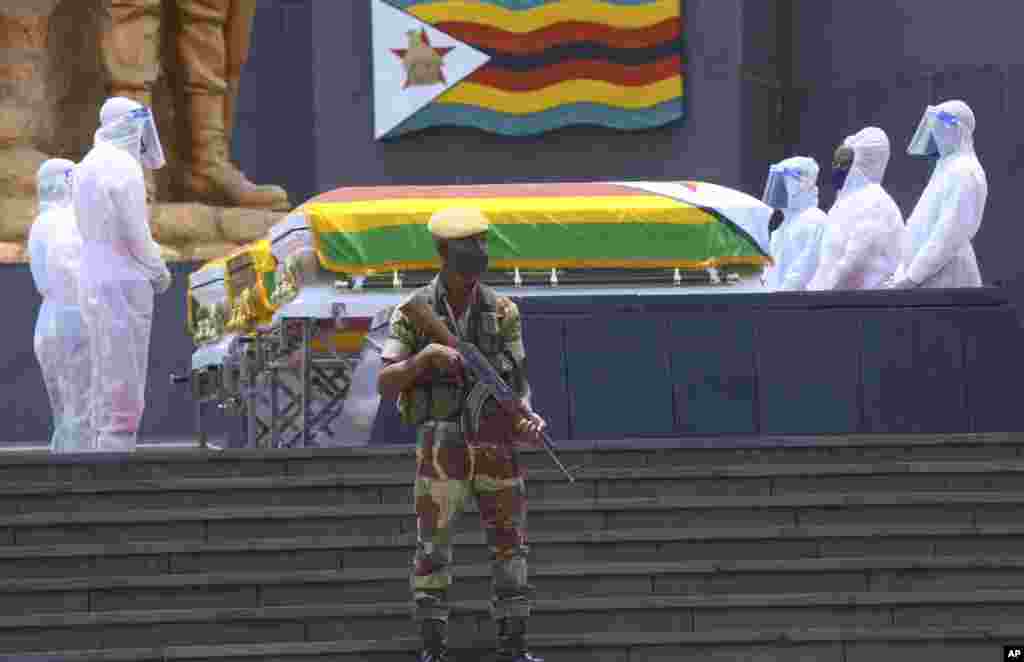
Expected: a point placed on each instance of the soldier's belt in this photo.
(444, 430)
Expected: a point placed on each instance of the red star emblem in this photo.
(425, 57)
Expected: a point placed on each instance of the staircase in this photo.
(831, 550)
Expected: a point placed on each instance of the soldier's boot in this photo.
(212, 177)
(512, 641)
(435, 641)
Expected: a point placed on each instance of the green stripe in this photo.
(597, 241)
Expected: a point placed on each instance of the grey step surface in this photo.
(592, 483)
(470, 619)
(552, 582)
(275, 552)
(233, 523)
(888, 546)
(790, 644)
(622, 454)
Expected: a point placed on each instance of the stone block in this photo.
(246, 225)
(23, 31)
(49, 602)
(171, 253)
(16, 217)
(18, 166)
(15, 125)
(759, 653)
(70, 534)
(183, 597)
(256, 561)
(203, 252)
(877, 546)
(812, 616)
(185, 223)
(932, 651)
(946, 615)
(11, 251)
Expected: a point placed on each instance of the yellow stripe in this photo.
(562, 94)
(497, 265)
(592, 11)
(364, 215)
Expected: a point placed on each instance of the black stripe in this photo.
(583, 51)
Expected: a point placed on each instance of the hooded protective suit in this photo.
(55, 248)
(796, 245)
(121, 267)
(864, 230)
(937, 250)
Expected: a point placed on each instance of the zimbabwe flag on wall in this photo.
(524, 67)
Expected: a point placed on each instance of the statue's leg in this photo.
(204, 48)
(24, 27)
(238, 36)
(130, 50)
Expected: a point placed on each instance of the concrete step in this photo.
(622, 454)
(583, 515)
(789, 644)
(471, 621)
(473, 582)
(545, 484)
(275, 551)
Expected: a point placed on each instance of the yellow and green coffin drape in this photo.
(248, 298)
(687, 225)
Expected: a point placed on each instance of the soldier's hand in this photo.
(443, 359)
(531, 429)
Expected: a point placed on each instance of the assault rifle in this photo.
(422, 315)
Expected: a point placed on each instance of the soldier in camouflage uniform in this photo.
(432, 389)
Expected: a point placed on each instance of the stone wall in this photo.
(52, 84)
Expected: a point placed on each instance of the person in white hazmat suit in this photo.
(863, 233)
(792, 188)
(121, 267)
(54, 249)
(937, 250)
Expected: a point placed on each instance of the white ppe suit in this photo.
(795, 246)
(55, 248)
(121, 267)
(864, 230)
(937, 250)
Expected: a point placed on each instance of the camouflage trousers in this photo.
(448, 473)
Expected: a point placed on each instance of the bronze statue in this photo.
(213, 46)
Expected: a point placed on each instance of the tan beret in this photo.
(457, 223)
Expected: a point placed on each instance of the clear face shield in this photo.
(937, 127)
(137, 125)
(776, 189)
(55, 189)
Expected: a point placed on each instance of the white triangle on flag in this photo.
(393, 103)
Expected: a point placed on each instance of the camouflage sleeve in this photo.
(401, 342)
(511, 328)
(512, 332)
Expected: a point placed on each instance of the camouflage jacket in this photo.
(490, 322)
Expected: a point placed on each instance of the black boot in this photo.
(512, 641)
(435, 641)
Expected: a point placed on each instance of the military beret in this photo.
(457, 223)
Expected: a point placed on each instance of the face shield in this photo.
(54, 183)
(937, 131)
(136, 132)
(776, 194)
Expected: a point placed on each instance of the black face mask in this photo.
(839, 178)
(467, 257)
